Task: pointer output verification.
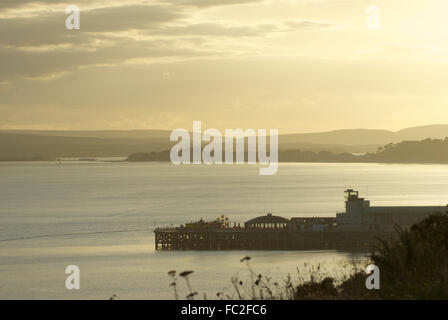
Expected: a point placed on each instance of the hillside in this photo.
(365, 137)
(36, 147)
(52, 144)
(425, 151)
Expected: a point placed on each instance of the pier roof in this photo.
(269, 218)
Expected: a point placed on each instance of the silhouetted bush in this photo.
(413, 266)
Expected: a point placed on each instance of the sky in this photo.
(293, 65)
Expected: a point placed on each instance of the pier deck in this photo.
(241, 239)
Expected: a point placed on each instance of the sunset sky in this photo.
(295, 65)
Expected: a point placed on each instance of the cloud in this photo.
(49, 28)
(44, 65)
(38, 46)
(128, 17)
(210, 3)
(12, 4)
(302, 25)
(215, 29)
(254, 30)
(41, 47)
(19, 3)
(7, 5)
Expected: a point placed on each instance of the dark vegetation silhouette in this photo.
(425, 151)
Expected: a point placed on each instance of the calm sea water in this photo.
(99, 216)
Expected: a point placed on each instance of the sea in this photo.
(100, 217)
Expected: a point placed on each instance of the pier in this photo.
(359, 228)
(241, 239)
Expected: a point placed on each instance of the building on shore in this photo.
(359, 215)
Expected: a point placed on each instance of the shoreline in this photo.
(98, 160)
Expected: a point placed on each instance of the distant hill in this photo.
(28, 147)
(343, 137)
(351, 137)
(439, 131)
(52, 144)
(425, 151)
